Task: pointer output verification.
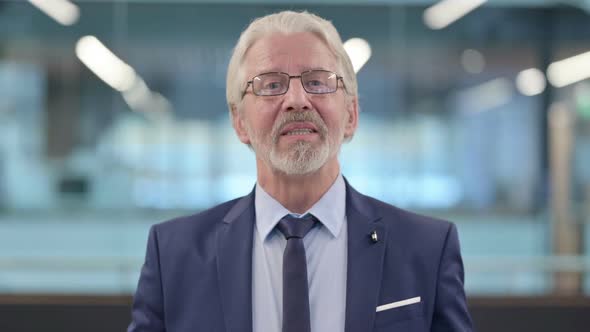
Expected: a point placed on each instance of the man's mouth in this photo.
(298, 132)
(298, 128)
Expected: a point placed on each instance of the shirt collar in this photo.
(330, 209)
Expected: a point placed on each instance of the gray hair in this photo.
(286, 22)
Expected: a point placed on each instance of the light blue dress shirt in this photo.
(326, 252)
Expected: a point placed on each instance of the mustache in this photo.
(290, 117)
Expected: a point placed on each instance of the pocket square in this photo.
(398, 304)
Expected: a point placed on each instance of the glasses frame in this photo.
(251, 81)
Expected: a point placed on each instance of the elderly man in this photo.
(303, 251)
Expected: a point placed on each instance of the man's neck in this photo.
(298, 193)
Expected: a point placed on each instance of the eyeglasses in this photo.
(277, 83)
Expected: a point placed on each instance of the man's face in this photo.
(297, 132)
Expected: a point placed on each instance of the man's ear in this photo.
(352, 108)
(239, 125)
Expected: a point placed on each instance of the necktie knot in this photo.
(293, 227)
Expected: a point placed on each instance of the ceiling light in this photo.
(359, 52)
(446, 12)
(568, 71)
(105, 64)
(531, 82)
(63, 11)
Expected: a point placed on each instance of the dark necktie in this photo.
(295, 288)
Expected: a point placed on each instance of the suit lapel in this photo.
(365, 261)
(364, 266)
(234, 265)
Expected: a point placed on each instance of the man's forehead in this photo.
(281, 53)
(288, 62)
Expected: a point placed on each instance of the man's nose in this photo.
(296, 97)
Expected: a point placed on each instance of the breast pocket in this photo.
(407, 312)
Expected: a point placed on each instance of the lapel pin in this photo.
(374, 237)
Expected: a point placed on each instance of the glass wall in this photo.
(457, 123)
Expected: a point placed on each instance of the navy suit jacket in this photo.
(197, 274)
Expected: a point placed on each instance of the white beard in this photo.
(301, 157)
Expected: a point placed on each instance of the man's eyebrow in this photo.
(303, 69)
(315, 68)
(268, 70)
(262, 70)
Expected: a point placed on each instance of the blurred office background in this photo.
(113, 118)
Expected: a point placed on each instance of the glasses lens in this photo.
(270, 84)
(319, 81)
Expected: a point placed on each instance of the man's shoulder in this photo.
(394, 216)
(198, 222)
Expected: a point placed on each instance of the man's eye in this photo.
(273, 86)
(315, 83)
